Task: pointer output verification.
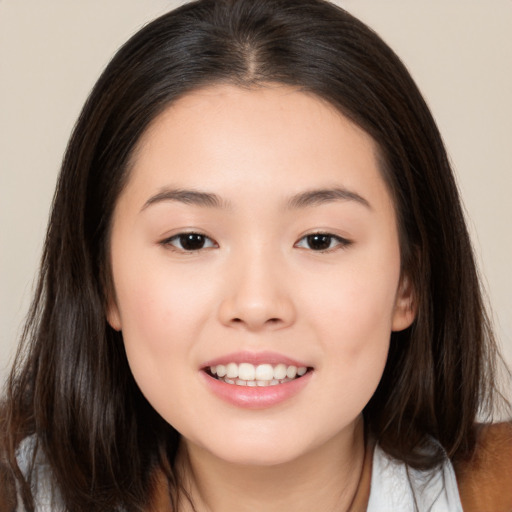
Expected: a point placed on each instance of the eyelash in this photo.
(340, 242)
(180, 237)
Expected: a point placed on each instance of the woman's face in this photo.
(256, 239)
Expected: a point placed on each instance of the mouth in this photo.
(261, 375)
(260, 380)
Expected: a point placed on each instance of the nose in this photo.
(257, 295)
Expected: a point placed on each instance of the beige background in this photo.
(52, 51)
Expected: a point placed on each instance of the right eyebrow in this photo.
(187, 196)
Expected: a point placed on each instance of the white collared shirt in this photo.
(395, 487)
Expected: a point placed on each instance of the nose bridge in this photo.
(257, 293)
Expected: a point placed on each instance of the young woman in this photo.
(257, 290)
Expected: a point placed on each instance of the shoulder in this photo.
(485, 480)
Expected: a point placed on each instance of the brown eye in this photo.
(322, 242)
(192, 241)
(319, 242)
(189, 242)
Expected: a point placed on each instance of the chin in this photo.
(259, 457)
(258, 448)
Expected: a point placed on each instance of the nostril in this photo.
(274, 322)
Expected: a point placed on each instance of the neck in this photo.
(330, 478)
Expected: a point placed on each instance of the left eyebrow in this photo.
(325, 195)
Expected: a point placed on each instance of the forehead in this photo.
(246, 137)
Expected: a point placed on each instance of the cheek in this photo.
(158, 298)
(354, 315)
(159, 326)
(355, 338)
(161, 314)
(357, 305)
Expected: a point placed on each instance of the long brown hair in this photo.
(71, 388)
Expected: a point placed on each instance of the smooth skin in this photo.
(256, 165)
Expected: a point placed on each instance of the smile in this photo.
(262, 375)
(259, 380)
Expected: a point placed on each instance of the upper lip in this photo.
(255, 358)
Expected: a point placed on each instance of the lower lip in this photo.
(256, 397)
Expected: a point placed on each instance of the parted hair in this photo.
(71, 388)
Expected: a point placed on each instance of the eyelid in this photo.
(167, 242)
(342, 242)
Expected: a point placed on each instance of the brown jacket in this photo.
(485, 482)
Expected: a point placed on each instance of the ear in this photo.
(113, 316)
(405, 305)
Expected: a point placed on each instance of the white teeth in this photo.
(291, 372)
(232, 371)
(246, 371)
(280, 372)
(264, 372)
(246, 374)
